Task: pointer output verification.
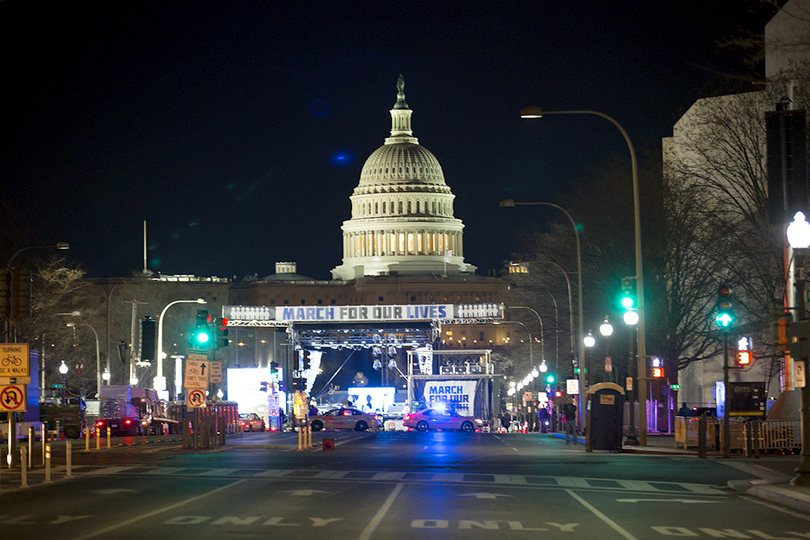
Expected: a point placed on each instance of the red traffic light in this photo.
(744, 358)
(657, 372)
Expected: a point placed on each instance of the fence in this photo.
(744, 435)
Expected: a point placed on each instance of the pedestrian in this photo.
(543, 414)
(570, 412)
(684, 410)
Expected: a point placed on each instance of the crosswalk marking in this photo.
(570, 482)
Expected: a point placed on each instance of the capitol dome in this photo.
(402, 211)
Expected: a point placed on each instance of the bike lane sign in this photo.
(14, 360)
(12, 398)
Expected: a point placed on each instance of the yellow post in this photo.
(98, 439)
(108, 436)
(86, 439)
(300, 434)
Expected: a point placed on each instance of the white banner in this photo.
(393, 313)
(457, 395)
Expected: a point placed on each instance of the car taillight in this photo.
(127, 421)
(407, 417)
(100, 423)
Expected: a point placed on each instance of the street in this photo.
(393, 485)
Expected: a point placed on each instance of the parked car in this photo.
(344, 418)
(252, 422)
(440, 419)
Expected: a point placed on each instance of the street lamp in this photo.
(507, 203)
(60, 245)
(63, 369)
(98, 357)
(798, 236)
(160, 380)
(542, 335)
(537, 112)
(606, 329)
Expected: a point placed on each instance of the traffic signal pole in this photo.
(726, 425)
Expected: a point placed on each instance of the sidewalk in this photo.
(769, 484)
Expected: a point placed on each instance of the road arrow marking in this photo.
(304, 492)
(484, 495)
(685, 501)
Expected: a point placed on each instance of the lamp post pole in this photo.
(98, 356)
(798, 235)
(536, 112)
(160, 380)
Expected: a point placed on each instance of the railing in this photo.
(744, 435)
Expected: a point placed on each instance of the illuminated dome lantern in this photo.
(402, 211)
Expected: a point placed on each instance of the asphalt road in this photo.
(391, 485)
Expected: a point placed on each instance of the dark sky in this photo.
(218, 123)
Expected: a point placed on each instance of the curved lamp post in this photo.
(507, 203)
(160, 380)
(537, 112)
(98, 357)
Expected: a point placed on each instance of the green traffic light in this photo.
(628, 301)
(724, 320)
(549, 378)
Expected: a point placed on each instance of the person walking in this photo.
(570, 412)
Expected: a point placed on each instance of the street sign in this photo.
(572, 386)
(628, 384)
(196, 397)
(301, 408)
(215, 375)
(799, 374)
(14, 360)
(12, 398)
(197, 372)
(608, 364)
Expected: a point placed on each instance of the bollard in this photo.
(48, 464)
(31, 447)
(702, 437)
(108, 436)
(44, 440)
(98, 439)
(59, 435)
(24, 467)
(86, 439)
(69, 459)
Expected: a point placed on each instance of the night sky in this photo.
(238, 130)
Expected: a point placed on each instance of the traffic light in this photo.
(725, 315)
(781, 338)
(201, 336)
(297, 384)
(220, 328)
(550, 378)
(657, 368)
(305, 359)
(5, 293)
(262, 387)
(148, 342)
(273, 368)
(21, 293)
(628, 297)
(744, 358)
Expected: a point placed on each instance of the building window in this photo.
(286, 301)
(413, 299)
(303, 301)
(320, 301)
(379, 299)
(333, 301)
